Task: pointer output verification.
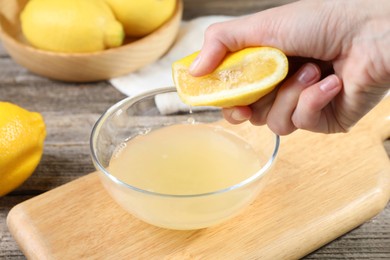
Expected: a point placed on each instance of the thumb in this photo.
(289, 28)
(221, 38)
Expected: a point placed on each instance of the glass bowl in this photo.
(178, 196)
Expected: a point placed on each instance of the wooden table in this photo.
(70, 110)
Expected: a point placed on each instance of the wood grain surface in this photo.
(71, 109)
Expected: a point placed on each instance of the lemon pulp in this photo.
(241, 79)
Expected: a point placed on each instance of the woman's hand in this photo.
(339, 62)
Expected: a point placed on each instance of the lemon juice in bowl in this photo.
(185, 159)
(179, 171)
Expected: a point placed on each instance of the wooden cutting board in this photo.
(321, 187)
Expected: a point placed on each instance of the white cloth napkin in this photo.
(159, 74)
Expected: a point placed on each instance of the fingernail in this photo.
(194, 64)
(329, 83)
(308, 73)
(237, 116)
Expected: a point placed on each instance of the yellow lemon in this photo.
(71, 26)
(141, 17)
(242, 78)
(22, 135)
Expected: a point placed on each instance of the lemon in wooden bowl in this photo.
(133, 54)
(131, 13)
(71, 26)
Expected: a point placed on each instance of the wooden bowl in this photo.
(84, 67)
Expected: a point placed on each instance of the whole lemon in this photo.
(71, 26)
(22, 135)
(141, 17)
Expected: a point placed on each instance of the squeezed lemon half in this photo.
(242, 78)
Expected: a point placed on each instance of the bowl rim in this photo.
(177, 14)
(129, 101)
